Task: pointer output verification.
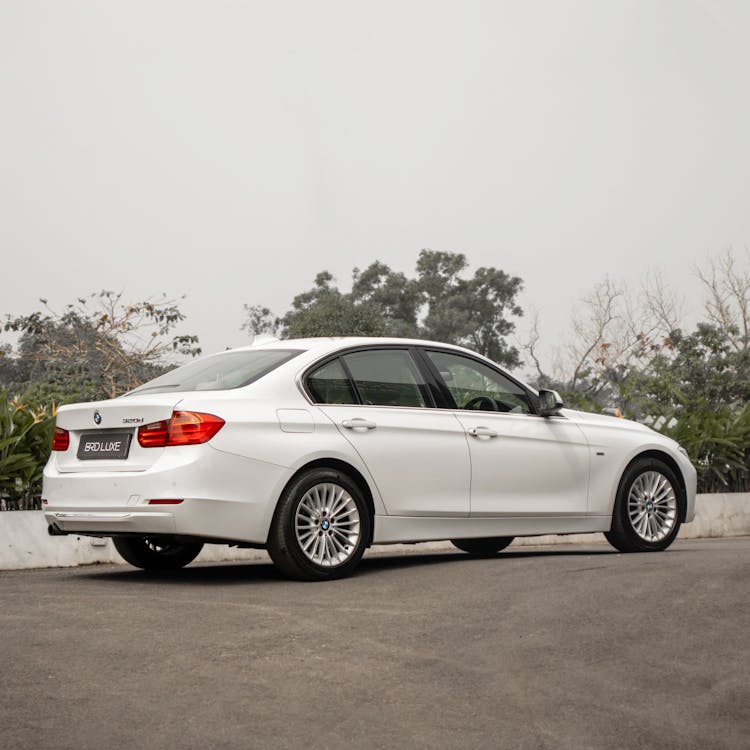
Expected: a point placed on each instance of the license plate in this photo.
(98, 445)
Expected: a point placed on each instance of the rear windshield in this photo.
(219, 373)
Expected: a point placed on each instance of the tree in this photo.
(325, 311)
(614, 333)
(698, 392)
(470, 312)
(439, 304)
(727, 302)
(395, 298)
(98, 347)
(630, 352)
(260, 320)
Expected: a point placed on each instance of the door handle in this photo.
(482, 432)
(358, 424)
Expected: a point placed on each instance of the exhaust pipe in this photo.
(54, 530)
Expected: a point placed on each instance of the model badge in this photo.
(97, 417)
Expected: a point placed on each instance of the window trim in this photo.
(426, 388)
(448, 396)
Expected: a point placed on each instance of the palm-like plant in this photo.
(25, 437)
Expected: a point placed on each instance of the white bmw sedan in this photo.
(315, 449)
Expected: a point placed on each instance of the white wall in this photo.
(24, 542)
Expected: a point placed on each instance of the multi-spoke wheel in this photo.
(646, 516)
(156, 552)
(321, 526)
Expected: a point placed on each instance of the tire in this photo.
(321, 526)
(649, 502)
(484, 547)
(159, 553)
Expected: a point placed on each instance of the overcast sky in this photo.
(231, 150)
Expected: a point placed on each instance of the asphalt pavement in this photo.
(565, 647)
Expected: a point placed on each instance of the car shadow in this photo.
(252, 571)
(385, 561)
(262, 571)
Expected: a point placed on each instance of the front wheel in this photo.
(321, 526)
(646, 516)
(156, 553)
(484, 547)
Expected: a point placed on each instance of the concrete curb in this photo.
(24, 542)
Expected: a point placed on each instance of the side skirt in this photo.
(400, 529)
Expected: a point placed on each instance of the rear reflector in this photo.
(60, 440)
(184, 428)
(164, 501)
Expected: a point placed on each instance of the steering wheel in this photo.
(485, 403)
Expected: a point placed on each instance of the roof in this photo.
(332, 343)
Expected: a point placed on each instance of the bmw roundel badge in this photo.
(97, 417)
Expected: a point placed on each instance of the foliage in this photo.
(698, 391)
(96, 348)
(718, 443)
(389, 296)
(25, 439)
(438, 303)
(701, 368)
(631, 353)
(99, 347)
(325, 311)
(470, 312)
(259, 320)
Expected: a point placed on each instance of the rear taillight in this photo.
(184, 428)
(60, 440)
(153, 435)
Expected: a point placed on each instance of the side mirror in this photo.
(550, 403)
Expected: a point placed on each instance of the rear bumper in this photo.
(223, 496)
(113, 523)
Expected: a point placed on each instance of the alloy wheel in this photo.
(652, 506)
(327, 524)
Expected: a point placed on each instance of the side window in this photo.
(386, 377)
(473, 385)
(329, 384)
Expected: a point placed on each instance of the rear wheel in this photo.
(483, 547)
(321, 526)
(646, 517)
(156, 553)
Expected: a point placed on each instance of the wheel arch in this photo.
(337, 464)
(673, 465)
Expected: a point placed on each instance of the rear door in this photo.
(417, 455)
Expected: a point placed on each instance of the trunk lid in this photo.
(112, 424)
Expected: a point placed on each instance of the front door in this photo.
(522, 464)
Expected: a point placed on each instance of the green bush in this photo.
(25, 438)
(717, 441)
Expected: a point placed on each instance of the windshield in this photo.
(220, 372)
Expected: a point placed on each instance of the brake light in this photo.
(153, 435)
(60, 440)
(164, 501)
(184, 428)
(190, 427)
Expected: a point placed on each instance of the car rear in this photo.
(144, 463)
